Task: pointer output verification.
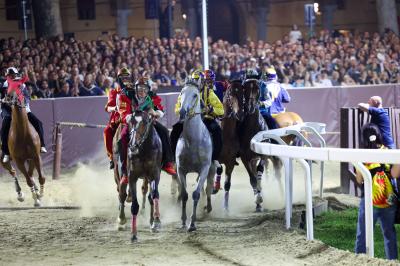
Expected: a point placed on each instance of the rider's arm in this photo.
(158, 108)
(285, 95)
(178, 105)
(218, 108)
(111, 105)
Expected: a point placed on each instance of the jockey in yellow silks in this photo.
(212, 108)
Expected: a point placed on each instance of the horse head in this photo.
(15, 99)
(251, 96)
(190, 102)
(232, 99)
(141, 123)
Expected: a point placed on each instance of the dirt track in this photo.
(88, 236)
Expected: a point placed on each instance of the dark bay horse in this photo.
(24, 146)
(145, 162)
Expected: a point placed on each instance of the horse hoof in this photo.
(259, 199)
(208, 209)
(128, 199)
(21, 197)
(134, 239)
(37, 204)
(214, 191)
(156, 227)
(192, 228)
(259, 208)
(121, 221)
(121, 227)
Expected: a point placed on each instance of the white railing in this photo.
(354, 156)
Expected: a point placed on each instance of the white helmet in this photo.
(12, 71)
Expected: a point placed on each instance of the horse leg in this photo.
(217, 182)
(122, 197)
(134, 209)
(183, 195)
(209, 188)
(151, 208)
(227, 184)
(38, 165)
(174, 185)
(156, 225)
(13, 173)
(250, 165)
(29, 181)
(145, 189)
(196, 196)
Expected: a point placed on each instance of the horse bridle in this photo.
(136, 145)
(13, 102)
(228, 96)
(253, 102)
(192, 113)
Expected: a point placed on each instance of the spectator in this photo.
(64, 92)
(88, 87)
(385, 204)
(295, 34)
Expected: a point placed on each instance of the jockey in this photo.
(151, 102)
(113, 122)
(125, 101)
(209, 81)
(15, 83)
(211, 109)
(272, 97)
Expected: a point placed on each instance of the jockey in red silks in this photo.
(16, 83)
(113, 122)
(127, 102)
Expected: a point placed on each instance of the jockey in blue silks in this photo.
(272, 97)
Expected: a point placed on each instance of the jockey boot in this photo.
(169, 168)
(111, 164)
(43, 150)
(6, 158)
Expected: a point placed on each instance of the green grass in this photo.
(338, 229)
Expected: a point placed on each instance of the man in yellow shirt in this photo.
(212, 108)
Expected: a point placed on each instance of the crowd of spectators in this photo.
(67, 67)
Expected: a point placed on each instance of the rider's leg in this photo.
(271, 122)
(175, 134)
(216, 135)
(108, 142)
(124, 153)
(5, 129)
(37, 124)
(168, 156)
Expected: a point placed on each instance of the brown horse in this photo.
(24, 146)
(287, 119)
(230, 144)
(145, 162)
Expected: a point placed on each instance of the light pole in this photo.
(24, 17)
(205, 34)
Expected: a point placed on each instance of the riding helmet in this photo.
(209, 74)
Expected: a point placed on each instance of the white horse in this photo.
(193, 152)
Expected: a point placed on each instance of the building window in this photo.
(12, 9)
(86, 9)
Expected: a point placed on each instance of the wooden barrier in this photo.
(57, 142)
(351, 121)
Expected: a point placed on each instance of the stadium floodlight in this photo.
(316, 8)
(184, 16)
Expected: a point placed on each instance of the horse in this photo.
(193, 152)
(24, 146)
(145, 161)
(230, 144)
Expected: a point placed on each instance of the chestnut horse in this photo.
(13, 173)
(24, 146)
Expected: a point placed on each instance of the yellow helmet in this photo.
(271, 73)
(124, 72)
(197, 74)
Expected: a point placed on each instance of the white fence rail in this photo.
(354, 156)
